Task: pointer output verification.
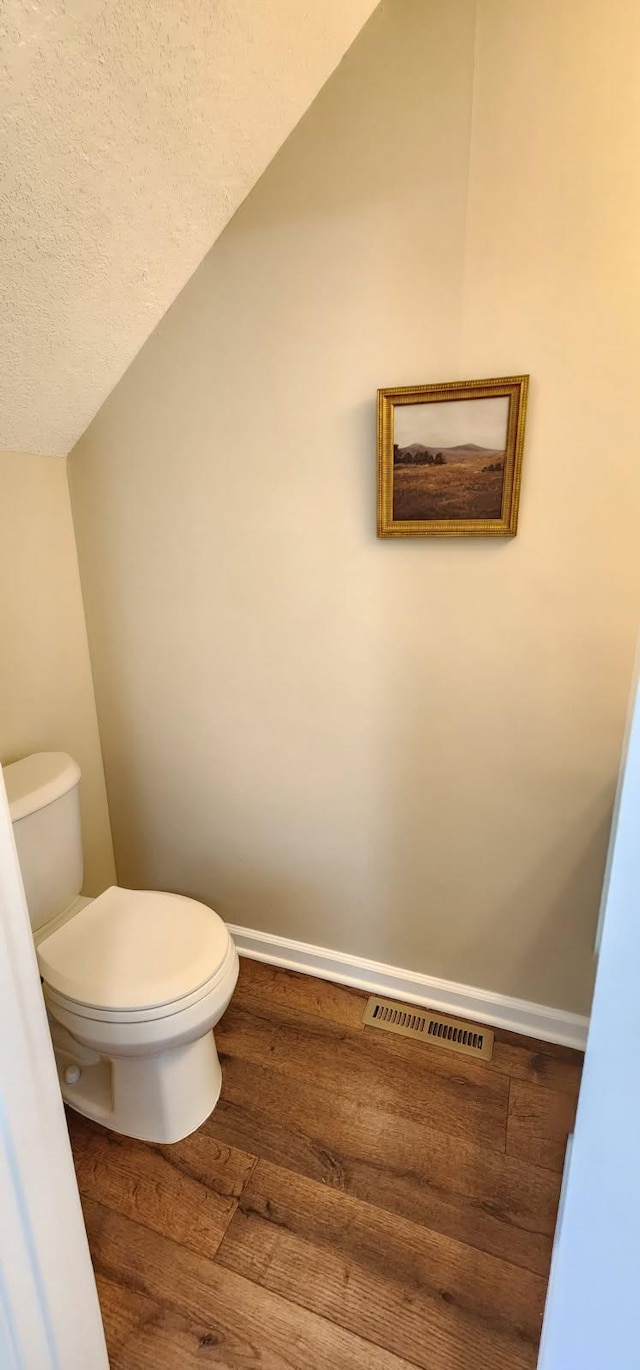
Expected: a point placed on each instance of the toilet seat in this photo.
(56, 1000)
(133, 955)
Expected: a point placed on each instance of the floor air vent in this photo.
(470, 1038)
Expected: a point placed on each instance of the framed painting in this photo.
(450, 458)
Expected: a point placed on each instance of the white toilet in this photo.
(134, 981)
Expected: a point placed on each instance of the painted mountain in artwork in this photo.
(464, 451)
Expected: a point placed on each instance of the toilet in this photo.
(134, 981)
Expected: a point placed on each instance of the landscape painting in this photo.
(449, 458)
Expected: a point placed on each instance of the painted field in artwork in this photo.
(462, 482)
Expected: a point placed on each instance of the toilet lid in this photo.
(134, 949)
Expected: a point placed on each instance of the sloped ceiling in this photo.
(130, 131)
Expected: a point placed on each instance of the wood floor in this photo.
(357, 1201)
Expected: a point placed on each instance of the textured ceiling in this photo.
(130, 131)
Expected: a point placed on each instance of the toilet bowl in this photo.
(138, 980)
(134, 981)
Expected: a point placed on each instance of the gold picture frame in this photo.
(435, 478)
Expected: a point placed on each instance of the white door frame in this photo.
(592, 1318)
(49, 1311)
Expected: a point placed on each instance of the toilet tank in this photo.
(42, 790)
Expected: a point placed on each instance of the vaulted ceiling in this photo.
(130, 131)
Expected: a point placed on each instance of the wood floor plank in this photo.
(206, 1314)
(452, 1094)
(496, 1203)
(259, 982)
(520, 1058)
(412, 1291)
(540, 1121)
(523, 1058)
(188, 1191)
(142, 1335)
(124, 1315)
(145, 1335)
(539, 1063)
(530, 1063)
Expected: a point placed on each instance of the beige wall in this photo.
(405, 750)
(46, 692)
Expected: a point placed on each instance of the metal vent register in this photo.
(472, 1039)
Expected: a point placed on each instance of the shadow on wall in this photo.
(491, 887)
(565, 886)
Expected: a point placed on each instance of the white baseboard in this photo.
(481, 1005)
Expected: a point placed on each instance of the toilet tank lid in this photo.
(37, 780)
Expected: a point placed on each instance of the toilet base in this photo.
(157, 1098)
